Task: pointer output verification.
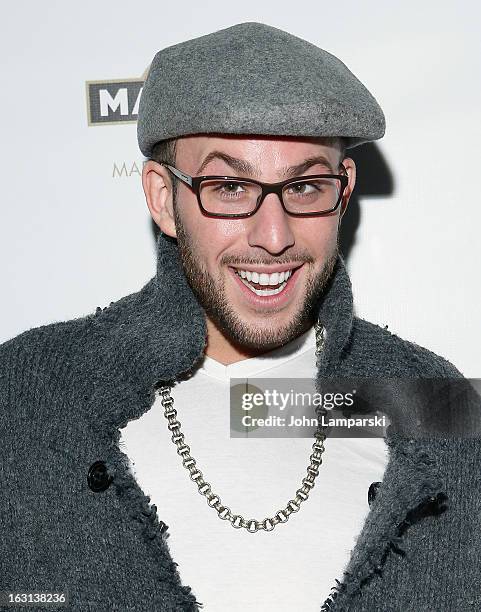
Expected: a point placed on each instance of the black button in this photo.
(371, 494)
(98, 477)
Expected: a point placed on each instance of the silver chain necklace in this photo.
(214, 501)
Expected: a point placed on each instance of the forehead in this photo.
(275, 151)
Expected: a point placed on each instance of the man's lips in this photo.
(270, 301)
(268, 269)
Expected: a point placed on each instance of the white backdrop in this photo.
(75, 236)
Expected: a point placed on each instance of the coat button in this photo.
(372, 492)
(98, 477)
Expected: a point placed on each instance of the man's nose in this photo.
(270, 228)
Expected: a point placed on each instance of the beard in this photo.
(211, 295)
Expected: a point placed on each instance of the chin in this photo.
(276, 332)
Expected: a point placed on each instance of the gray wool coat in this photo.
(67, 388)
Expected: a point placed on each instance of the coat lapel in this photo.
(412, 488)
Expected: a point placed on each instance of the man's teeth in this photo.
(276, 278)
(265, 279)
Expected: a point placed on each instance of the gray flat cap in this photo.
(252, 78)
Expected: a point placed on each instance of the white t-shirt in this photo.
(292, 567)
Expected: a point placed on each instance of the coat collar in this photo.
(167, 333)
(160, 333)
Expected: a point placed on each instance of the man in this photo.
(248, 182)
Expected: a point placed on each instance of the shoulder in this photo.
(40, 359)
(64, 336)
(385, 354)
(23, 357)
(53, 343)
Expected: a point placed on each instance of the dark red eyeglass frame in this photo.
(194, 183)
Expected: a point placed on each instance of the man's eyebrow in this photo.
(239, 165)
(242, 166)
(306, 164)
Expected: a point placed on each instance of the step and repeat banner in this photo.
(76, 232)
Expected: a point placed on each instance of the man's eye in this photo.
(231, 187)
(303, 188)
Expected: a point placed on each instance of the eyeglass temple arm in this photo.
(180, 175)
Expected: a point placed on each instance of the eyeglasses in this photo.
(230, 197)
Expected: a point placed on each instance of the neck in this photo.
(227, 351)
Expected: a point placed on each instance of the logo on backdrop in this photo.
(114, 101)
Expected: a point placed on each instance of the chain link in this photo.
(236, 520)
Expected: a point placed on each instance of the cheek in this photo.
(321, 237)
(211, 238)
(226, 231)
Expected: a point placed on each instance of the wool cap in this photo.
(252, 78)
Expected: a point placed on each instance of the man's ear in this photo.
(157, 186)
(343, 207)
(350, 166)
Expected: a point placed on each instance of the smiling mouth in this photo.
(265, 284)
